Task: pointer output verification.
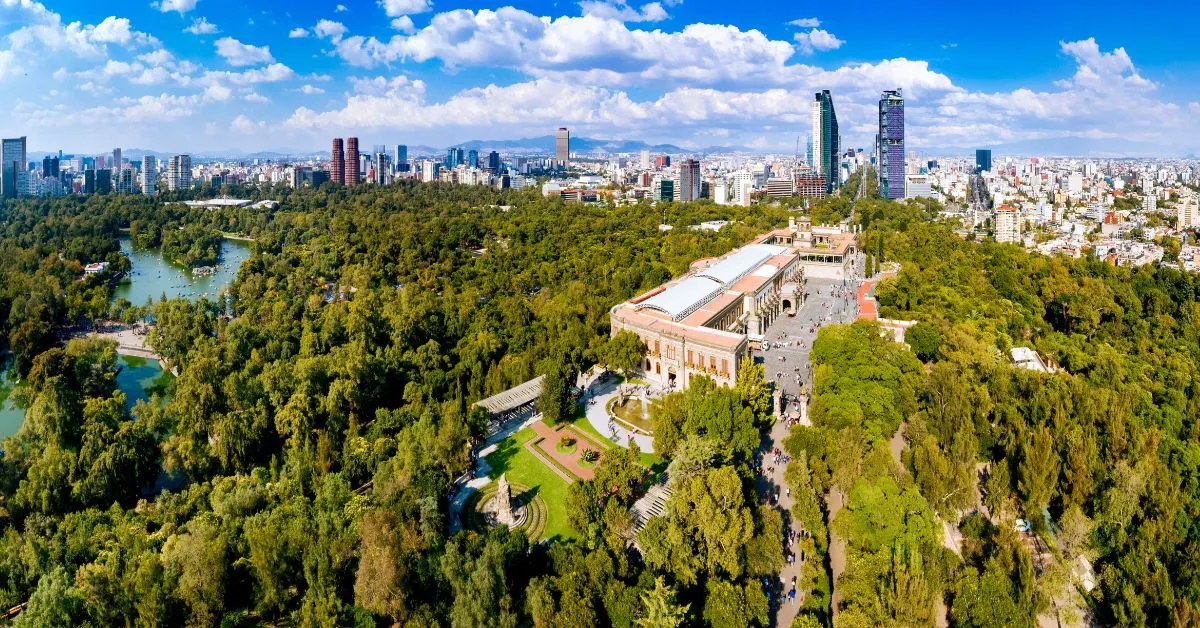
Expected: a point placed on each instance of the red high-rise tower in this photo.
(337, 164)
(352, 174)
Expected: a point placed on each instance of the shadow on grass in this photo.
(500, 460)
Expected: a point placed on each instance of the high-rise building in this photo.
(337, 162)
(50, 167)
(808, 155)
(473, 158)
(103, 181)
(116, 164)
(645, 159)
(1008, 224)
(891, 144)
(149, 174)
(12, 150)
(689, 180)
(124, 181)
(662, 161)
(89, 182)
(352, 167)
(826, 140)
(493, 162)
(1188, 211)
(179, 173)
(381, 168)
(562, 147)
(401, 158)
(983, 160)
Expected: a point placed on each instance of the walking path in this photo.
(601, 391)
(478, 478)
(772, 483)
(549, 447)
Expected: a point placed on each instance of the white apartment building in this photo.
(1008, 224)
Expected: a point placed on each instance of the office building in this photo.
(429, 171)
(983, 160)
(50, 167)
(473, 158)
(381, 168)
(89, 182)
(104, 181)
(689, 180)
(645, 162)
(116, 164)
(779, 187)
(662, 161)
(493, 162)
(826, 140)
(809, 184)
(12, 150)
(401, 158)
(891, 144)
(1008, 224)
(352, 166)
(337, 163)
(664, 190)
(179, 173)
(917, 186)
(320, 177)
(124, 181)
(562, 147)
(149, 174)
(808, 155)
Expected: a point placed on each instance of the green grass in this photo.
(521, 467)
(654, 462)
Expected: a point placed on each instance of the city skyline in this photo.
(205, 77)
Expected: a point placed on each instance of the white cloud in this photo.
(396, 8)
(217, 92)
(44, 29)
(297, 33)
(179, 6)
(817, 39)
(9, 65)
(622, 12)
(242, 124)
(310, 90)
(805, 22)
(201, 26)
(151, 76)
(341, 8)
(331, 29)
(256, 97)
(238, 54)
(273, 73)
(404, 24)
(158, 57)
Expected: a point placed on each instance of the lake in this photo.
(151, 276)
(138, 378)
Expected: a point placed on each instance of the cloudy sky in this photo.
(212, 75)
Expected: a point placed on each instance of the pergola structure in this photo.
(516, 401)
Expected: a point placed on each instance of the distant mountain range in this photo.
(544, 145)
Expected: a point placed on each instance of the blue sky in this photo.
(213, 75)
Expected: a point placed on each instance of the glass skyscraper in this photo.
(891, 144)
(983, 159)
(826, 140)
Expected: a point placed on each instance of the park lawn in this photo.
(512, 458)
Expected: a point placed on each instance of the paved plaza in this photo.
(790, 338)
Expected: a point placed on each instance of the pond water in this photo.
(138, 378)
(151, 276)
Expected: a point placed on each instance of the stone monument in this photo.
(504, 513)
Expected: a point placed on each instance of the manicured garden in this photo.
(524, 469)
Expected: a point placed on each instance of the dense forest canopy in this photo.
(297, 470)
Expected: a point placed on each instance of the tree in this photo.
(624, 352)
(555, 402)
(1038, 470)
(752, 386)
(661, 610)
(54, 603)
(925, 341)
